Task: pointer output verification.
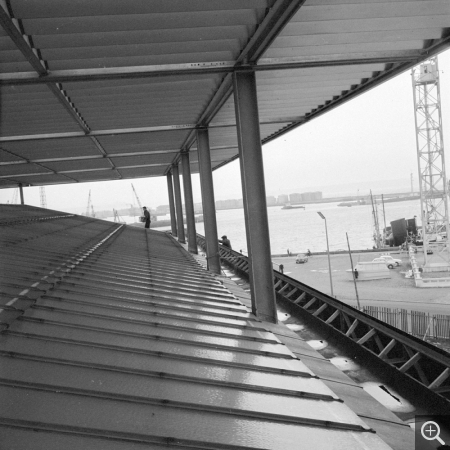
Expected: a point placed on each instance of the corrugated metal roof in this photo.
(115, 337)
(98, 90)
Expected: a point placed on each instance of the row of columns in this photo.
(253, 193)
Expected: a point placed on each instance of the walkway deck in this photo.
(116, 337)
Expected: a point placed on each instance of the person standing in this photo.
(147, 218)
(225, 242)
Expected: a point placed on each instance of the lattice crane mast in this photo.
(431, 163)
(90, 207)
(137, 198)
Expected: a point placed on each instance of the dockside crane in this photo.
(90, 207)
(137, 198)
(431, 164)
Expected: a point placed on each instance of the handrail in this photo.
(418, 360)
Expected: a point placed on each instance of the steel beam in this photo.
(397, 67)
(189, 203)
(173, 219)
(209, 206)
(178, 204)
(114, 73)
(22, 42)
(63, 172)
(274, 21)
(91, 157)
(21, 194)
(91, 133)
(254, 193)
(247, 220)
(12, 29)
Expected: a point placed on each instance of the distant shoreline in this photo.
(388, 198)
(339, 252)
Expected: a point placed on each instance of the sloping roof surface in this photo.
(107, 90)
(114, 337)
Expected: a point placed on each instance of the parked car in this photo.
(389, 264)
(389, 258)
(301, 258)
(372, 270)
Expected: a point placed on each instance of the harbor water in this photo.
(301, 229)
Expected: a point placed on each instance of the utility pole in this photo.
(431, 164)
(15, 196)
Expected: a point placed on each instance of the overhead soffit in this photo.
(113, 90)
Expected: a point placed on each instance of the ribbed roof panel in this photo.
(116, 334)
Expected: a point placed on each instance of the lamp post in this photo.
(328, 251)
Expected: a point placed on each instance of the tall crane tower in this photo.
(43, 197)
(431, 165)
(90, 207)
(137, 198)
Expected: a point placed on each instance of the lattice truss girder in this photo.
(430, 157)
(378, 340)
(415, 360)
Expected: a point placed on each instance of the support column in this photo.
(189, 203)
(173, 219)
(21, 194)
(254, 196)
(178, 204)
(209, 206)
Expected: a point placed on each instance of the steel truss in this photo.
(420, 362)
(431, 161)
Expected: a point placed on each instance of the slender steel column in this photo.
(173, 219)
(246, 221)
(189, 203)
(178, 204)
(209, 206)
(21, 194)
(254, 195)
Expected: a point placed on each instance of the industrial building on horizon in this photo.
(271, 200)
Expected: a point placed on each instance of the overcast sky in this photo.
(367, 142)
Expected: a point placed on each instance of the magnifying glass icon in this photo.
(430, 431)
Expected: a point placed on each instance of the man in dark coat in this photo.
(225, 242)
(147, 218)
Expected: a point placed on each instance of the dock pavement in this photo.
(396, 292)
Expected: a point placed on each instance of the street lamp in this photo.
(328, 251)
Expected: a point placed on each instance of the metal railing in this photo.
(417, 323)
(385, 344)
